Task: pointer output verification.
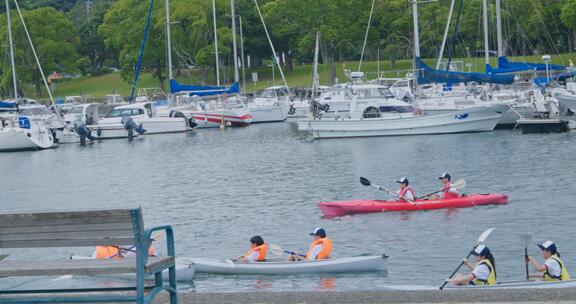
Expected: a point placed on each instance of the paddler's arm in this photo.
(539, 267)
(467, 264)
(461, 280)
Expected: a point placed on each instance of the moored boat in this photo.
(341, 208)
(282, 266)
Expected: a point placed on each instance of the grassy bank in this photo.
(300, 76)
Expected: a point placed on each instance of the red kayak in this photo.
(332, 209)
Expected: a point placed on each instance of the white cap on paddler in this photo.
(402, 180)
(319, 231)
(548, 245)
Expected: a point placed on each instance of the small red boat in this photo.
(332, 209)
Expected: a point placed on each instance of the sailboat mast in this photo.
(169, 49)
(499, 28)
(316, 81)
(216, 43)
(445, 35)
(242, 54)
(234, 46)
(11, 51)
(485, 21)
(416, 30)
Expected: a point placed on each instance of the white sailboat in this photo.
(17, 132)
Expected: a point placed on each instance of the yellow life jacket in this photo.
(564, 275)
(491, 277)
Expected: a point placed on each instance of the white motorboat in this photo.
(144, 113)
(532, 284)
(18, 133)
(87, 115)
(566, 96)
(185, 269)
(271, 105)
(282, 266)
(376, 115)
(228, 112)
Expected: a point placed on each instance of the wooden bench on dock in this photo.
(82, 229)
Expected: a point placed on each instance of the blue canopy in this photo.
(543, 81)
(506, 66)
(8, 106)
(427, 74)
(203, 90)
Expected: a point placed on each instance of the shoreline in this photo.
(563, 295)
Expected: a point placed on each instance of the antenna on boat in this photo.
(366, 36)
(216, 43)
(10, 41)
(234, 46)
(242, 54)
(169, 51)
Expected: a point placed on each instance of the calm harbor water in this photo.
(219, 188)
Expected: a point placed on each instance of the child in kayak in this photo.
(448, 190)
(257, 252)
(484, 273)
(405, 193)
(320, 248)
(553, 269)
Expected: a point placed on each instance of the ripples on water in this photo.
(219, 188)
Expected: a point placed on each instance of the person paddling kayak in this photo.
(553, 269)
(448, 190)
(320, 248)
(405, 193)
(257, 252)
(484, 273)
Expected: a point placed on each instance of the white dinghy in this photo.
(282, 266)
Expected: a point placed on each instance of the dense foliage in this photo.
(90, 36)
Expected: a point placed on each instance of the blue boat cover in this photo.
(506, 66)
(543, 81)
(203, 90)
(427, 74)
(8, 105)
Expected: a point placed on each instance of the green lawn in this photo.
(301, 76)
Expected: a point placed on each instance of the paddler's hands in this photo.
(467, 263)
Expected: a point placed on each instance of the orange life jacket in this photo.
(262, 251)
(447, 193)
(326, 248)
(107, 252)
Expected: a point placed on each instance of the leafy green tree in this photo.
(56, 52)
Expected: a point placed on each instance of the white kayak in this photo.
(282, 266)
(185, 269)
(520, 285)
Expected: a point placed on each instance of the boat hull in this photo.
(276, 112)
(341, 208)
(519, 285)
(154, 125)
(17, 139)
(332, 265)
(553, 125)
(479, 119)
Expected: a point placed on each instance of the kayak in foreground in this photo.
(332, 209)
(281, 266)
(185, 269)
(520, 285)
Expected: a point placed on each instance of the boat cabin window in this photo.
(268, 94)
(125, 112)
(371, 112)
(396, 109)
(371, 93)
(76, 110)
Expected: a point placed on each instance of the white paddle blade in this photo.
(484, 235)
(526, 239)
(276, 250)
(459, 184)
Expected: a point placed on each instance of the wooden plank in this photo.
(103, 234)
(66, 228)
(69, 217)
(66, 243)
(77, 267)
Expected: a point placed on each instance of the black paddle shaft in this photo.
(455, 271)
(526, 258)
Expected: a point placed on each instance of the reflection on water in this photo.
(219, 188)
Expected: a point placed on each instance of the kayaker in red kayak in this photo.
(257, 252)
(484, 273)
(553, 269)
(320, 248)
(405, 193)
(448, 190)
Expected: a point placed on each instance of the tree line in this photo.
(89, 37)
